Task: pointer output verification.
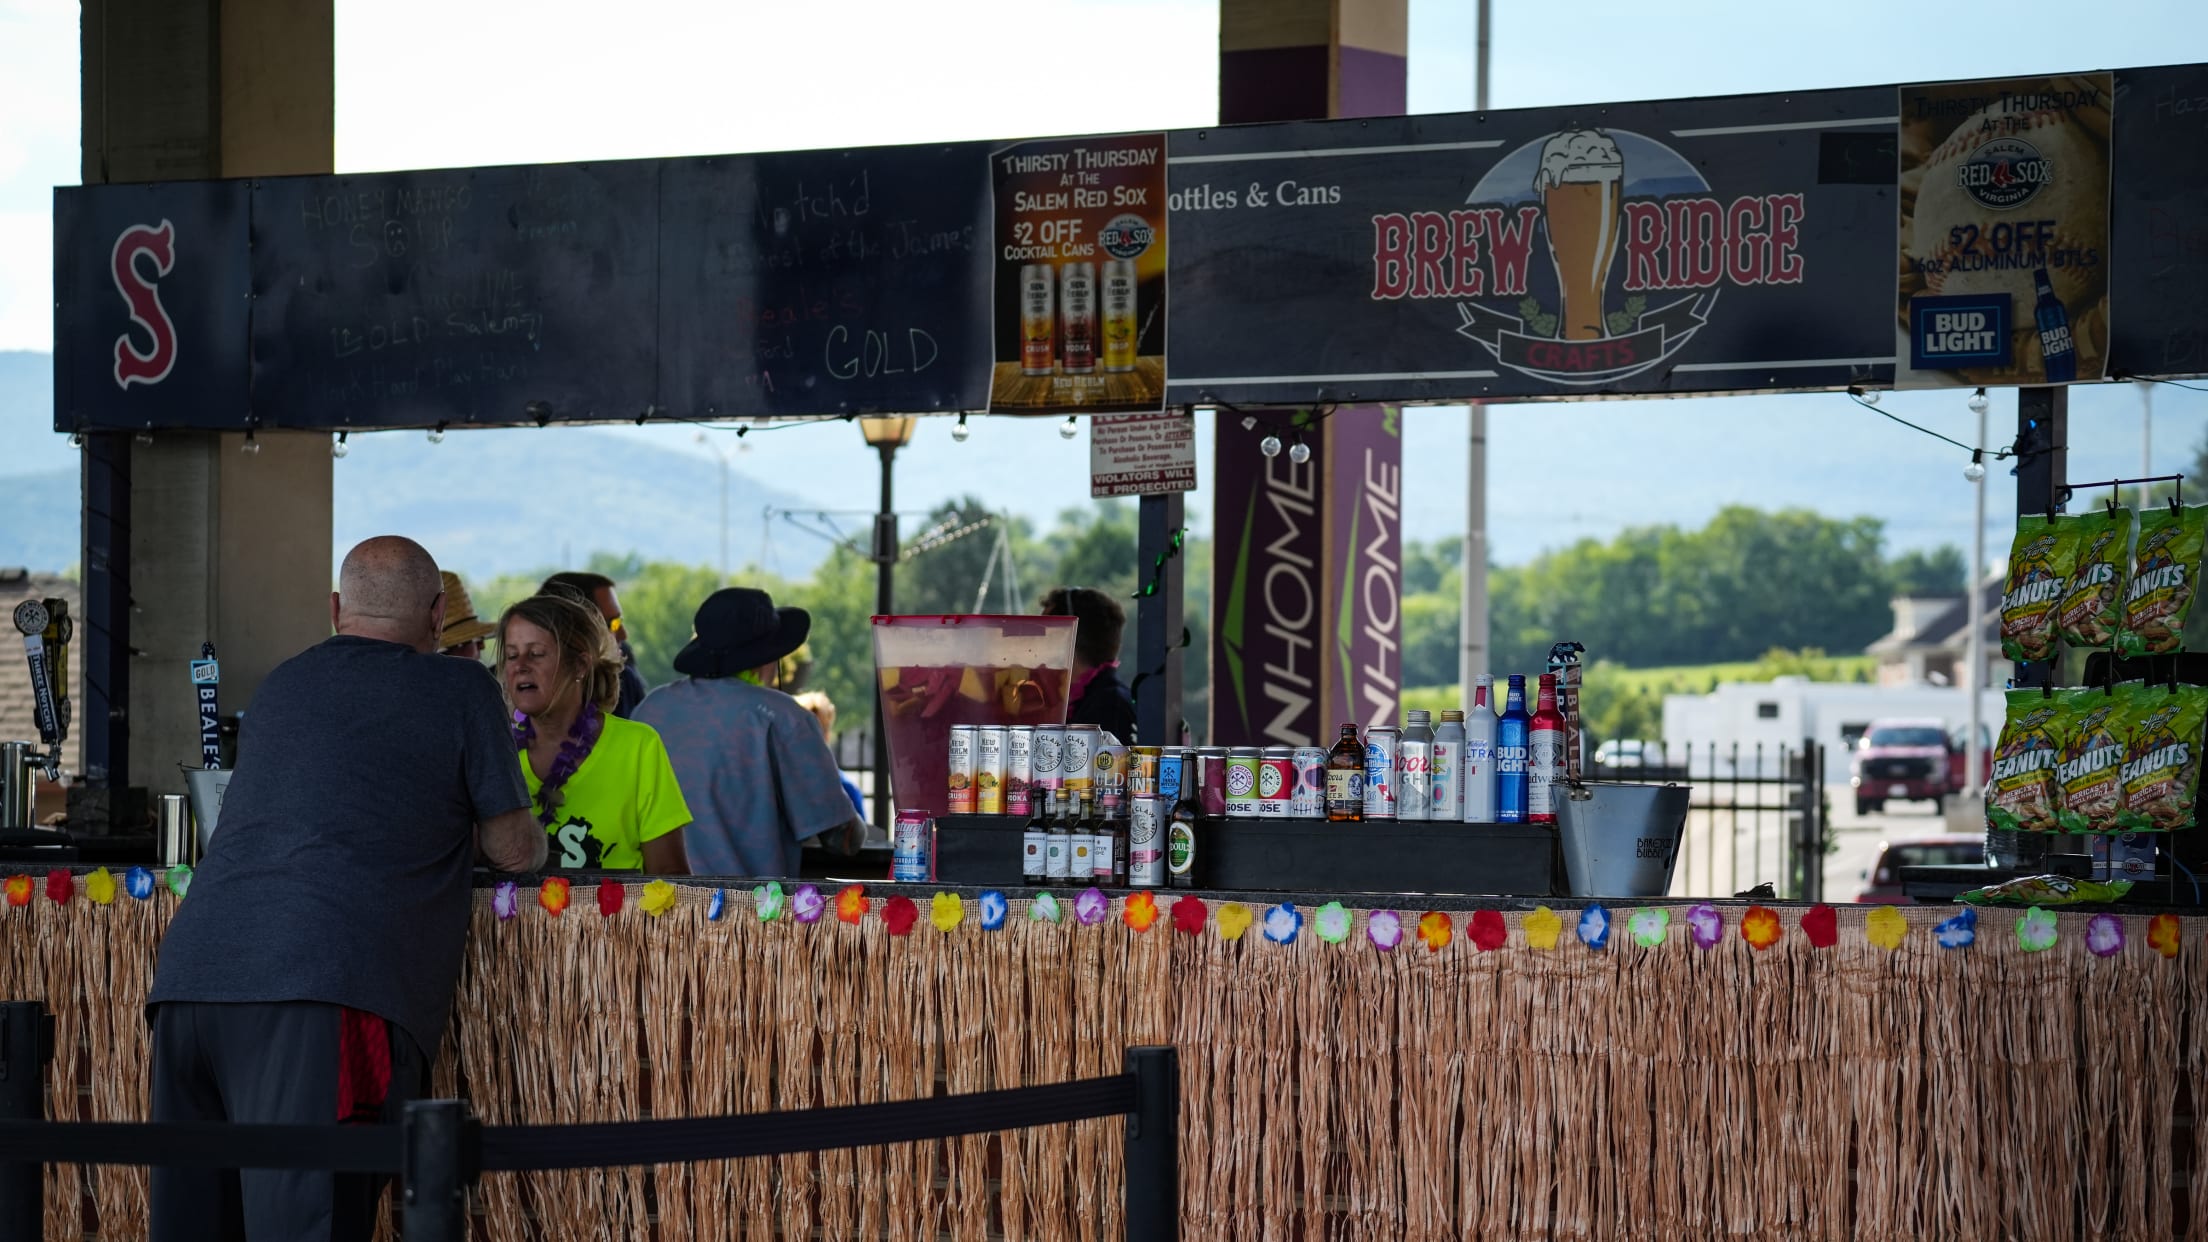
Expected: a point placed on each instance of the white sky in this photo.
(441, 82)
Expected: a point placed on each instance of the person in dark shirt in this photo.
(307, 979)
(597, 591)
(1096, 695)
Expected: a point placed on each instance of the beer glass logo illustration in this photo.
(1587, 256)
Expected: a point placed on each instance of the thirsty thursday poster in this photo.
(2004, 232)
(1080, 294)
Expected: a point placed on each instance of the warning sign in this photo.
(1142, 454)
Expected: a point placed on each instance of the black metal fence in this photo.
(1758, 815)
(439, 1150)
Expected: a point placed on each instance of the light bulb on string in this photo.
(1978, 402)
(251, 447)
(1270, 446)
(1069, 428)
(143, 437)
(959, 430)
(76, 439)
(337, 446)
(1870, 396)
(1975, 472)
(1299, 452)
(437, 434)
(1249, 422)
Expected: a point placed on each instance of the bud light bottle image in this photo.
(1511, 742)
(2058, 353)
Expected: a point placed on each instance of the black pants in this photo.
(271, 1064)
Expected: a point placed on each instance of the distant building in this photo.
(1929, 644)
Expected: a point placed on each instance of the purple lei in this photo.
(582, 737)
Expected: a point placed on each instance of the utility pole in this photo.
(1472, 627)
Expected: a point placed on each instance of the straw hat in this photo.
(461, 623)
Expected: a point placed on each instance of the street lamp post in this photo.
(722, 457)
(887, 435)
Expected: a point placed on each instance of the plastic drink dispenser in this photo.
(968, 669)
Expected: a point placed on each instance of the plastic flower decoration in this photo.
(1384, 928)
(1434, 931)
(1189, 915)
(60, 886)
(658, 898)
(1958, 932)
(100, 887)
(2036, 930)
(1886, 927)
(767, 901)
(807, 905)
(1648, 926)
(851, 903)
(1331, 922)
(993, 909)
(1705, 926)
(19, 890)
(1233, 919)
(2165, 935)
(2104, 935)
(1140, 911)
(611, 895)
(716, 905)
(1282, 922)
(1091, 907)
(506, 900)
(946, 911)
(138, 882)
(180, 880)
(1043, 909)
(1594, 927)
(898, 914)
(1821, 925)
(1760, 928)
(1487, 930)
(1542, 928)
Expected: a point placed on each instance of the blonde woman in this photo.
(601, 786)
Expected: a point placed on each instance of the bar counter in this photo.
(1353, 1066)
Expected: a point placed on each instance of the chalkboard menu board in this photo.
(2158, 223)
(482, 295)
(825, 282)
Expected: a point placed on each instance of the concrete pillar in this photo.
(223, 546)
(1305, 60)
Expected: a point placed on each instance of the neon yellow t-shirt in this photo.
(624, 795)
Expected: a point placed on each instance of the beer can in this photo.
(1111, 770)
(1077, 758)
(1120, 323)
(1211, 780)
(1309, 799)
(1146, 843)
(1380, 774)
(1050, 745)
(1077, 317)
(1242, 763)
(1019, 770)
(1038, 319)
(1276, 782)
(962, 770)
(1448, 781)
(912, 848)
(989, 770)
(1414, 768)
(1170, 777)
(1142, 772)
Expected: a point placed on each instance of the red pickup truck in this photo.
(1904, 760)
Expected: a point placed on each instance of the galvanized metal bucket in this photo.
(1621, 839)
(206, 787)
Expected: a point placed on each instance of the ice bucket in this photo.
(1620, 839)
(978, 669)
(206, 787)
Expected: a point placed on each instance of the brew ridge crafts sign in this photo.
(2004, 202)
(1080, 286)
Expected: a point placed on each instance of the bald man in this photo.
(307, 979)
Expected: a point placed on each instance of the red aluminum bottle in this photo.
(1545, 756)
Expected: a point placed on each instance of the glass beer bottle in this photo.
(1184, 860)
(1345, 779)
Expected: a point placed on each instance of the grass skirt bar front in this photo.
(1493, 1074)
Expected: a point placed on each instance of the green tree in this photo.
(1942, 571)
(1429, 633)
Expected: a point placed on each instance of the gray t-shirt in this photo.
(755, 770)
(339, 867)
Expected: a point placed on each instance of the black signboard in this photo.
(1695, 246)
(150, 306)
(2158, 224)
(479, 295)
(825, 282)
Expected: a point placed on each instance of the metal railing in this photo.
(1758, 815)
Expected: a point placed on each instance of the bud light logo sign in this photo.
(1588, 256)
(1950, 332)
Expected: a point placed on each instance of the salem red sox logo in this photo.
(132, 364)
(1601, 200)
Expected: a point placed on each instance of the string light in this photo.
(144, 437)
(1069, 428)
(338, 448)
(1978, 402)
(1975, 472)
(1270, 445)
(76, 439)
(437, 434)
(251, 447)
(1299, 452)
(959, 430)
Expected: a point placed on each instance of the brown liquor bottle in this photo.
(1345, 779)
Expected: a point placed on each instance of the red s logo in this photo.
(143, 297)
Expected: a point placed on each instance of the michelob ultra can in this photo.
(962, 770)
(1019, 770)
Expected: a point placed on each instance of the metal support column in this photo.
(885, 562)
(1153, 1147)
(1159, 621)
(439, 1164)
(2042, 465)
(103, 713)
(26, 1045)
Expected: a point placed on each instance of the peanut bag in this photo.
(2020, 790)
(2089, 786)
(2163, 574)
(2093, 599)
(2161, 772)
(2040, 561)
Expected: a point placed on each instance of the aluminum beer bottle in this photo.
(1414, 766)
(1448, 782)
(1479, 753)
(1544, 755)
(1345, 778)
(1511, 740)
(2058, 352)
(1184, 838)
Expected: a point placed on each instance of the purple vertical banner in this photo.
(1307, 575)
(1270, 590)
(1363, 640)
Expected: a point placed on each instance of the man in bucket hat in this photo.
(750, 759)
(464, 632)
